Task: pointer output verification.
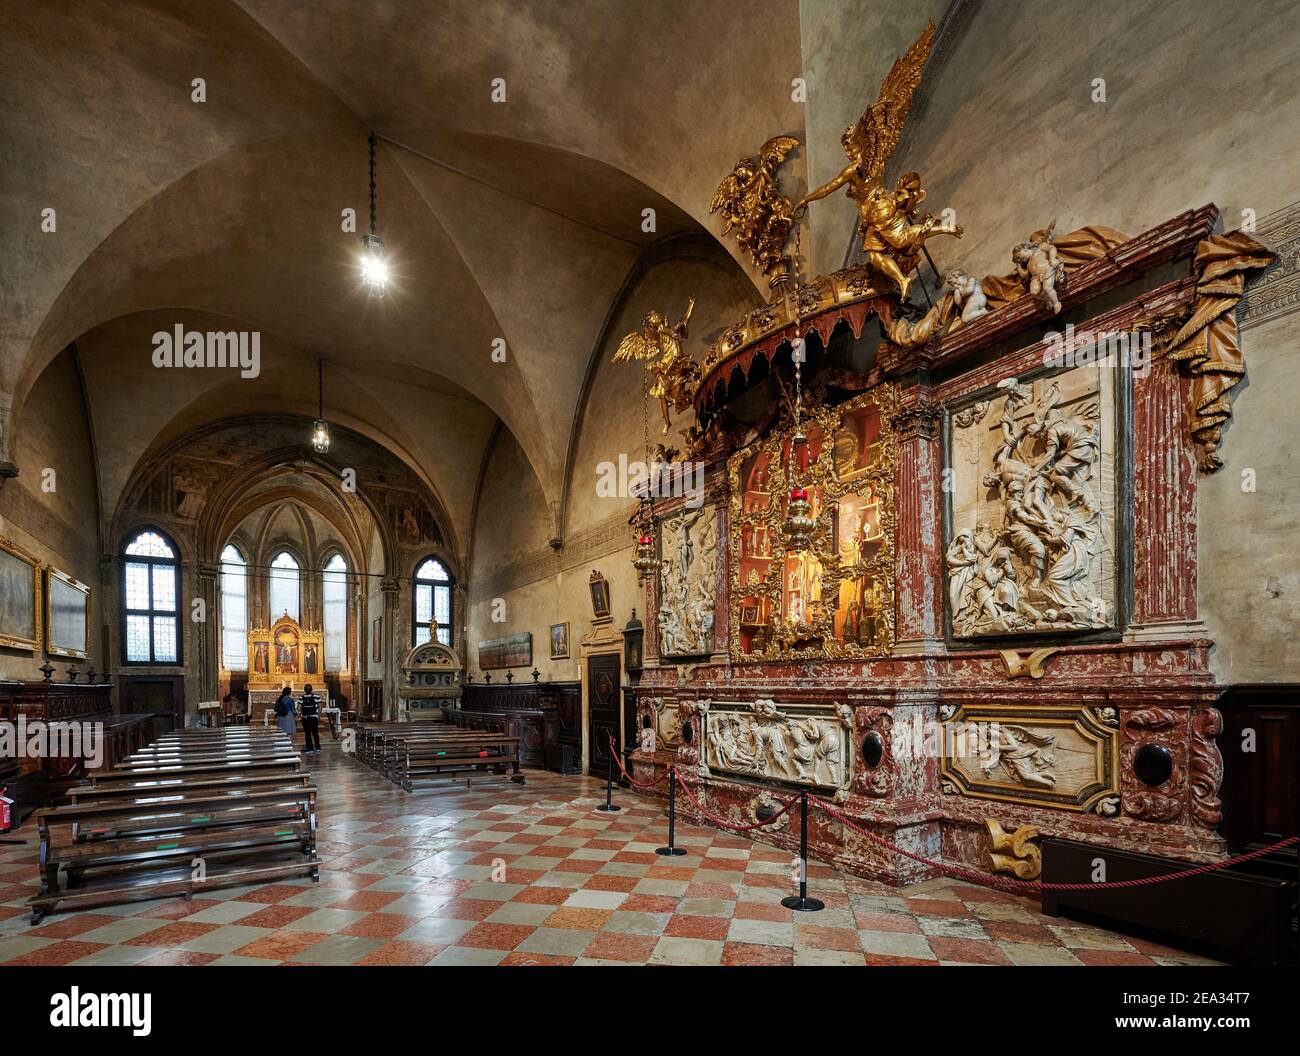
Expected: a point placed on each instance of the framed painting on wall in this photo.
(515, 650)
(377, 639)
(599, 596)
(67, 615)
(20, 591)
(560, 641)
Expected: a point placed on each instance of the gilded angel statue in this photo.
(755, 208)
(892, 234)
(659, 345)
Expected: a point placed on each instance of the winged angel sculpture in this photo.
(754, 207)
(892, 234)
(659, 346)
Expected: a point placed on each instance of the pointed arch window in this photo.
(431, 601)
(150, 600)
(283, 587)
(334, 597)
(234, 610)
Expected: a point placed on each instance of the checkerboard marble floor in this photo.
(409, 879)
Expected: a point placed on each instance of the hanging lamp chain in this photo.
(372, 142)
(320, 389)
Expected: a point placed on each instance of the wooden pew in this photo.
(136, 832)
(426, 755)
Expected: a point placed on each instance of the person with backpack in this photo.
(284, 712)
(310, 708)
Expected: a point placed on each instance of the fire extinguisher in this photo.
(6, 811)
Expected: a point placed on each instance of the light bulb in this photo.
(320, 436)
(374, 268)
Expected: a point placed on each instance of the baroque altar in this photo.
(942, 570)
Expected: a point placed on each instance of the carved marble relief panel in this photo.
(688, 582)
(1045, 755)
(666, 721)
(797, 744)
(1032, 542)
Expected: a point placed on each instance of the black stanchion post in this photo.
(801, 901)
(608, 805)
(670, 850)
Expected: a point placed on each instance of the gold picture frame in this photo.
(560, 641)
(834, 599)
(20, 598)
(67, 615)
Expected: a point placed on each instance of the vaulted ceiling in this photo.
(518, 220)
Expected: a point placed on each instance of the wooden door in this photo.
(159, 696)
(604, 702)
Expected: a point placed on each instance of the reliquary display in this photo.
(836, 597)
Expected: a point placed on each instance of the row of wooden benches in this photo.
(196, 809)
(407, 752)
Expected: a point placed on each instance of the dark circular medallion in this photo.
(873, 749)
(1153, 764)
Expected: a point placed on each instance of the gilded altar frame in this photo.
(284, 654)
(772, 632)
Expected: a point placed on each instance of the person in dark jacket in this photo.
(309, 708)
(284, 711)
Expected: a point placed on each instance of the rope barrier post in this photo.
(671, 851)
(801, 901)
(608, 805)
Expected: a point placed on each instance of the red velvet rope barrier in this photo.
(1037, 886)
(723, 822)
(613, 750)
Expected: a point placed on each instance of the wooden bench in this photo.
(139, 831)
(419, 756)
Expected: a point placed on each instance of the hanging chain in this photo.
(372, 181)
(645, 436)
(798, 350)
(320, 387)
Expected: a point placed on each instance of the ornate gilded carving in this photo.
(892, 234)
(1046, 755)
(1012, 852)
(658, 344)
(687, 584)
(793, 743)
(754, 207)
(1031, 665)
(836, 598)
(1026, 554)
(1206, 344)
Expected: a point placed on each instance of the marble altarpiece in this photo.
(989, 610)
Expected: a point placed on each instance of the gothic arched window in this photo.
(334, 596)
(234, 610)
(151, 584)
(431, 602)
(283, 587)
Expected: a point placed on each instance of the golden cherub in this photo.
(659, 346)
(892, 236)
(752, 204)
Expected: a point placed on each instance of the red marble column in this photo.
(918, 531)
(1164, 505)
